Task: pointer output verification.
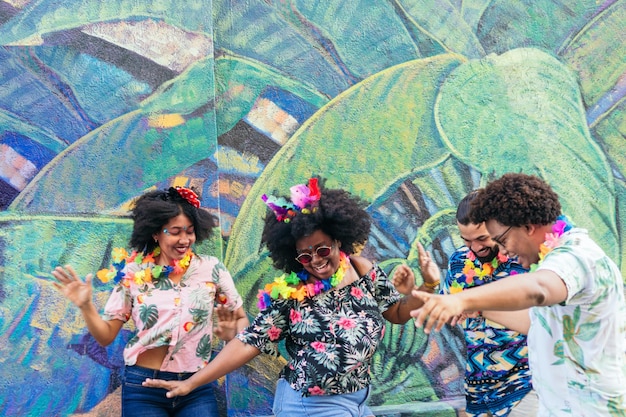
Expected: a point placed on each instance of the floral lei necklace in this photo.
(473, 274)
(559, 227)
(293, 286)
(149, 271)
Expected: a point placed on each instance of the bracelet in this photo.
(433, 285)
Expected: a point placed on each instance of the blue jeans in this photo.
(138, 400)
(290, 403)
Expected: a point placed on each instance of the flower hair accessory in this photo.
(189, 195)
(304, 199)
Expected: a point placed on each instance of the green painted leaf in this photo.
(186, 93)
(446, 23)
(349, 35)
(240, 80)
(597, 55)
(116, 156)
(46, 16)
(527, 96)
(544, 24)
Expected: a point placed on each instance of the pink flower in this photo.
(316, 391)
(274, 333)
(318, 346)
(356, 292)
(346, 323)
(295, 316)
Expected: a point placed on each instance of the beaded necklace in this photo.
(476, 273)
(552, 240)
(294, 285)
(149, 272)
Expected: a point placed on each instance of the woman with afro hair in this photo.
(329, 307)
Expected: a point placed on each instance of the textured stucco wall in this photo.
(409, 104)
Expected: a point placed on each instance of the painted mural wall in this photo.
(407, 103)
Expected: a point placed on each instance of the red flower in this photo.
(318, 346)
(295, 316)
(356, 292)
(274, 333)
(316, 391)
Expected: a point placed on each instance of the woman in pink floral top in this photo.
(170, 293)
(329, 307)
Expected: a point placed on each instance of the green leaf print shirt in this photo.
(577, 349)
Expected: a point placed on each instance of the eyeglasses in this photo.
(498, 239)
(321, 251)
(175, 231)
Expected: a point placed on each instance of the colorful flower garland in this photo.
(559, 227)
(474, 275)
(293, 286)
(149, 271)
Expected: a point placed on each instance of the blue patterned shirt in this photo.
(497, 375)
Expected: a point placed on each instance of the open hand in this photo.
(436, 311)
(226, 326)
(428, 267)
(174, 388)
(72, 287)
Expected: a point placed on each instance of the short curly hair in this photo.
(516, 199)
(154, 209)
(340, 215)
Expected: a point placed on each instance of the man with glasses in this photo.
(497, 376)
(571, 306)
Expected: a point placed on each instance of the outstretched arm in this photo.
(514, 320)
(518, 292)
(234, 355)
(80, 293)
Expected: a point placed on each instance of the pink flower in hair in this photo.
(305, 195)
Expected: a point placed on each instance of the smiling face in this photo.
(523, 241)
(477, 239)
(320, 267)
(175, 239)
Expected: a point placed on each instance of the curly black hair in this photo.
(340, 215)
(516, 199)
(154, 209)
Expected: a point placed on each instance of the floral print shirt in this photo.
(497, 374)
(578, 347)
(176, 315)
(330, 337)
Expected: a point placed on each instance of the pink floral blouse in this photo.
(176, 315)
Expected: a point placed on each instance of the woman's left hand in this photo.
(226, 326)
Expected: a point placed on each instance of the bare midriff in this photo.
(152, 358)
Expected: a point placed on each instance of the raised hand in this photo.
(72, 287)
(429, 269)
(226, 326)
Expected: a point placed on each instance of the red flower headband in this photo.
(189, 195)
(304, 199)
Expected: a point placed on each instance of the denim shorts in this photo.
(138, 400)
(290, 403)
